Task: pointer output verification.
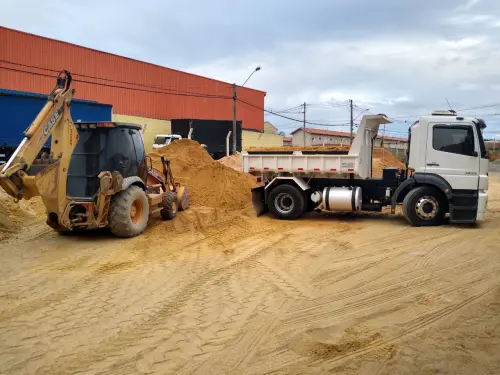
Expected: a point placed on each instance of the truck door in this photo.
(453, 153)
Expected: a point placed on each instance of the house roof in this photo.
(387, 138)
(343, 134)
(287, 139)
(269, 124)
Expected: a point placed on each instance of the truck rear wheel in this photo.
(424, 206)
(169, 205)
(129, 212)
(286, 202)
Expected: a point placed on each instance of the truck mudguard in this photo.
(297, 180)
(434, 180)
(430, 179)
(395, 197)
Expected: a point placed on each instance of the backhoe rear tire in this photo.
(129, 212)
(169, 205)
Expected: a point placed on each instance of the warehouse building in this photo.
(138, 92)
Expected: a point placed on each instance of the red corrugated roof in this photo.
(171, 101)
(287, 139)
(343, 134)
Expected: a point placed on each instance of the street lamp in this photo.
(251, 74)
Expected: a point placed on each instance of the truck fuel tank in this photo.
(342, 199)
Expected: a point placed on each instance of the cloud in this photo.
(466, 6)
(397, 57)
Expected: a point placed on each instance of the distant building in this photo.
(287, 141)
(319, 137)
(269, 128)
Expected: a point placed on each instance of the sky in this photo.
(402, 58)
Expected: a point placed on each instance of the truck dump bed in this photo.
(358, 161)
(298, 162)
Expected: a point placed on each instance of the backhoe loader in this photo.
(96, 175)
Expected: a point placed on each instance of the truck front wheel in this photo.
(424, 206)
(286, 202)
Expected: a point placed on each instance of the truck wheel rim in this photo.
(427, 208)
(284, 203)
(136, 211)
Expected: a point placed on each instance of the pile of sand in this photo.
(15, 216)
(233, 161)
(384, 159)
(210, 183)
(300, 148)
(185, 154)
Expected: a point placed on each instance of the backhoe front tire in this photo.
(169, 205)
(129, 212)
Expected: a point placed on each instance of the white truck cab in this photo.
(451, 147)
(446, 174)
(162, 140)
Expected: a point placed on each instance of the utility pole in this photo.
(304, 127)
(352, 120)
(234, 119)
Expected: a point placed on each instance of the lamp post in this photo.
(235, 99)
(251, 74)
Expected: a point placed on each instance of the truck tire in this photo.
(129, 212)
(286, 202)
(424, 206)
(169, 205)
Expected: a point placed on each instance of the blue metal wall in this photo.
(18, 110)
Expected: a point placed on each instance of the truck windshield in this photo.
(162, 140)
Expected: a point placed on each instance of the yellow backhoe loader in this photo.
(96, 175)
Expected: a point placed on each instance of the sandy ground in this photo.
(211, 293)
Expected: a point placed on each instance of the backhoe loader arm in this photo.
(54, 119)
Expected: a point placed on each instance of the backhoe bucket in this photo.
(259, 201)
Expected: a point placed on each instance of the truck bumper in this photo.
(481, 206)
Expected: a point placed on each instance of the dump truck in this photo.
(96, 175)
(446, 173)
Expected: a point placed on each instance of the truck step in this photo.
(463, 214)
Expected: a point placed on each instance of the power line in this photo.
(286, 117)
(289, 109)
(207, 96)
(104, 79)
